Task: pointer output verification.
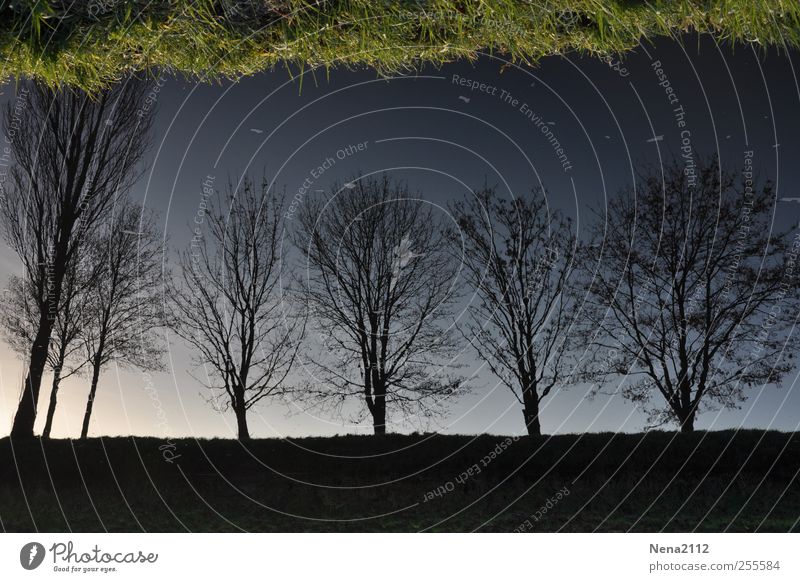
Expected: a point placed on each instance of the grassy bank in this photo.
(89, 43)
(742, 481)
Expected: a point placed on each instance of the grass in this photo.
(718, 481)
(90, 43)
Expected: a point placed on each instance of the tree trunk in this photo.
(379, 414)
(687, 411)
(687, 423)
(51, 409)
(25, 417)
(92, 391)
(241, 422)
(530, 411)
(532, 424)
(684, 411)
(379, 422)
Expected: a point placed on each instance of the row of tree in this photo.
(683, 295)
(109, 310)
(86, 274)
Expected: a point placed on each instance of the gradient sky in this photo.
(444, 138)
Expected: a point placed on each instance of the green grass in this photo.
(736, 481)
(89, 47)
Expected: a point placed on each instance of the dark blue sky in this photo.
(447, 130)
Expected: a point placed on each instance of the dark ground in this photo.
(716, 481)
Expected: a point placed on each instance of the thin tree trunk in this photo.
(25, 417)
(92, 391)
(51, 409)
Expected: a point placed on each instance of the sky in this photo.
(445, 130)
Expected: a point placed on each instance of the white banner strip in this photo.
(400, 557)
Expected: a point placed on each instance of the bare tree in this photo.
(518, 256)
(126, 309)
(228, 303)
(65, 342)
(379, 284)
(19, 317)
(690, 292)
(73, 154)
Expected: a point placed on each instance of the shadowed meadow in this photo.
(740, 481)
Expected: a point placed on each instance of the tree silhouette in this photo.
(517, 256)
(689, 292)
(19, 317)
(228, 304)
(379, 286)
(73, 155)
(125, 309)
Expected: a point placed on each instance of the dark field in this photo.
(717, 481)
